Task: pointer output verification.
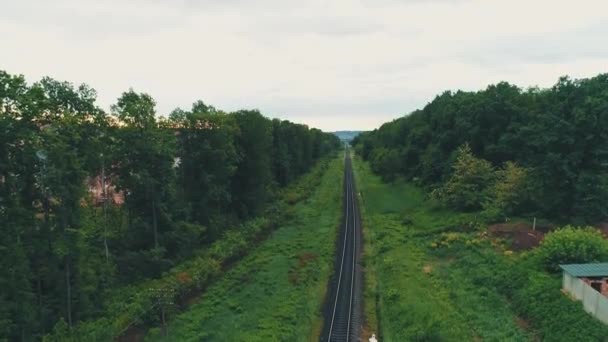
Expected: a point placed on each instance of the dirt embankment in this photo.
(520, 234)
(523, 237)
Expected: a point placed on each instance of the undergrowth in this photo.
(276, 292)
(437, 275)
(139, 306)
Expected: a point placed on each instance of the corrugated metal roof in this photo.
(586, 270)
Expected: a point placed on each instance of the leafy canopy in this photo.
(468, 187)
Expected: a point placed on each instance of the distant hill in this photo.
(347, 136)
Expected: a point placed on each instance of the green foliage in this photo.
(572, 245)
(510, 192)
(469, 185)
(185, 181)
(557, 316)
(415, 297)
(558, 135)
(203, 188)
(534, 295)
(139, 304)
(250, 187)
(136, 110)
(275, 292)
(386, 162)
(144, 173)
(429, 283)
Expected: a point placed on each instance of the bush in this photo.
(386, 162)
(572, 245)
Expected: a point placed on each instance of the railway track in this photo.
(342, 314)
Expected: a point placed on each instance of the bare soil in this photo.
(603, 227)
(520, 235)
(133, 334)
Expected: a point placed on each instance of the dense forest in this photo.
(347, 136)
(90, 201)
(505, 150)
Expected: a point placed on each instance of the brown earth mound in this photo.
(603, 227)
(522, 237)
(520, 234)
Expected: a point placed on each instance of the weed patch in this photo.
(442, 275)
(132, 309)
(277, 290)
(415, 294)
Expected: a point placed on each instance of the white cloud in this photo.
(330, 64)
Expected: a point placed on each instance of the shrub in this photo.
(572, 245)
(386, 162)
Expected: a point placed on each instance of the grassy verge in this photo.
(276, 292)
(438, 275)
(130, 310)
(415, 290)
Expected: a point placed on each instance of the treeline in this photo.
(90, 200)
(548, 146)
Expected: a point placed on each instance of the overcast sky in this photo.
(329, 64)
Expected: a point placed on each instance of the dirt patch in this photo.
(303, 260)
(190, 298)
(366, 333)
(427, 269)
(603, 227)
(521, 235)
(523, 324)
(133, 334)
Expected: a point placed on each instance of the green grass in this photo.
(404, 200)
(412, 292)
(277, 291)
(488, 313)
(129, 311)
(383, 199)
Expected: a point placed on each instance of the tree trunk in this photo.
(69, 291)
(39, 290)
(105, 212)
(154, 224)
(45, 204)
(164, 323)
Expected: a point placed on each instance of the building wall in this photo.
(603, 283)
(594, 302)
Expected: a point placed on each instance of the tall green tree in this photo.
(252, 181)
(558, 135)
(144, 163)
(207, 161)
(67, 245)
